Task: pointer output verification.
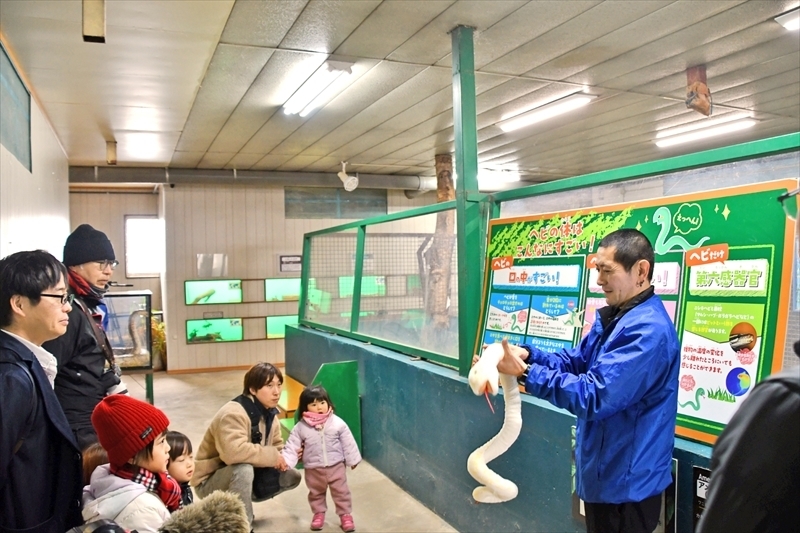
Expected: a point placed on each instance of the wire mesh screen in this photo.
(419, 270)
(331, 265)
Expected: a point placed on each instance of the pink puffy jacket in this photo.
(329, 446)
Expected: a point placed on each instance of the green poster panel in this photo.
(723, 271)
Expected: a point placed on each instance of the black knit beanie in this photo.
(87, 244)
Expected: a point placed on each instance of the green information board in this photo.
(723, 271)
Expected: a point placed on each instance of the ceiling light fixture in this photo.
(94, 21)
(317, 88)
(111, 152)
(701, 124)
(350, 182)
(790, 20)
(707, 132)
(550, 110)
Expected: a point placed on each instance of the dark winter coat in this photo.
(81, 383)
(40, 484)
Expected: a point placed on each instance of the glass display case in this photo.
(127, 326)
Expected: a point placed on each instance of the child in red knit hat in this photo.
(134, 489)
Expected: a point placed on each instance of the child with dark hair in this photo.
(134, 489)
(93, 456)
(328, 447)
(181, 463)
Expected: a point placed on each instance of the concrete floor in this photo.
(191, 400)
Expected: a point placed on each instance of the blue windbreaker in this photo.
(621, 382)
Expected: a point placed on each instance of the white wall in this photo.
(247, 223)
(34, 206)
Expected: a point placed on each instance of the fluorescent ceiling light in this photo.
(707, 132)
(790, 20)
(700, 124)
(317, 88)
(538, 114)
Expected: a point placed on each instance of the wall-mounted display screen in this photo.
(216, 291)
(282, 289)
(370, 286)
(214, 330)
(276, 325)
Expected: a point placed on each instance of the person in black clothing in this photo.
(86, 369)
(755, 465)
(40, 464)
(181, 463)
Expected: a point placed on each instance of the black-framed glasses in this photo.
(789, 205)
(64, 298)
(105, 264)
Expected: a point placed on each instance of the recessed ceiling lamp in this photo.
(704, 133)
(790, 20)
(550, 110)
(317, 88)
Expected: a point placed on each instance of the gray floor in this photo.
(190, 401)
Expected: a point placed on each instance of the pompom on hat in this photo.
(87, 244)
(125, 425)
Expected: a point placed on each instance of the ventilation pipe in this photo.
(413, 185)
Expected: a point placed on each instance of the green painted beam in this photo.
(401, 215)
(727, 154)
(469, 215)
(355, 303)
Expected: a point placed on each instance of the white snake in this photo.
(484, 376)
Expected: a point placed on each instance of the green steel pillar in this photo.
(469, 219)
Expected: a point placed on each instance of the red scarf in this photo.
(166, 488)
(82, 287)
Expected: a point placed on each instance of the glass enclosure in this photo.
(127, 326)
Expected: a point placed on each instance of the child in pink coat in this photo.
(328, 448)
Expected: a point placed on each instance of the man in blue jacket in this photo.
(40, 466)
(621, 382)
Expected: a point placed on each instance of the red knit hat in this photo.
(126, 425)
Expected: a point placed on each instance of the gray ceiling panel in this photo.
(324, 24)
(742, 47)
(432, 42)
(210, 78)
(389, 26)
(581, 29)
(186, 159)
(243, 161)
(230, 74)
(261, 23)
(266, 95)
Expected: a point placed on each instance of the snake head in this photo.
(483, 375)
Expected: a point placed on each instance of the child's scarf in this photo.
(166, 488)
(317, 420)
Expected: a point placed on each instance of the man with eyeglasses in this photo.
(41, 477)
(755, 465)
(86, 368)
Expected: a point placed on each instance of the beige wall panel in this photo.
(247, 223)
(106, 212)
(34, 206)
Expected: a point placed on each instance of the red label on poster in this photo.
(717, 253)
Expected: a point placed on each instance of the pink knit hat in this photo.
(126, 425)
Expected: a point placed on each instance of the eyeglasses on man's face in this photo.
(788, 201)
(63, 298)
(107, 264)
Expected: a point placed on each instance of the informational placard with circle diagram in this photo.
(723, 270)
